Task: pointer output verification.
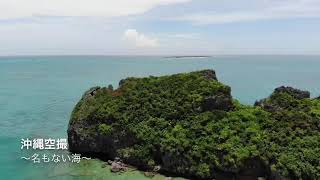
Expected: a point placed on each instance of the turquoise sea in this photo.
(37, 94)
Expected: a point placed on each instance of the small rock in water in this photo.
(149, 174)
(115, 167)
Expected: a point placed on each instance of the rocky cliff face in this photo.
(188, 125)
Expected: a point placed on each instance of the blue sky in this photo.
(159, 27)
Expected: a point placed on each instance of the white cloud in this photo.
(184, 36)
(139, 39)
(267, 10)
(106, 8)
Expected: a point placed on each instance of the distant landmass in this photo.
(187, 56)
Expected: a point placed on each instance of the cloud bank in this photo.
(266, 10)
(105, 8)
(138, 39)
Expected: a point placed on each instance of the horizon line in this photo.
(156, 55)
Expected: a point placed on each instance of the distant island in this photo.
(189, 125)
(188, 56)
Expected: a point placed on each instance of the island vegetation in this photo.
(189, 125)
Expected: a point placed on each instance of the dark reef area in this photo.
(189, 125)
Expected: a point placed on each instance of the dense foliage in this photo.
(293, 136)
(170, 127)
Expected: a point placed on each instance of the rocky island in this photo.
(189, 125)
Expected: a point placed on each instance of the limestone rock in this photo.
(296, 93)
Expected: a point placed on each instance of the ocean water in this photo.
(37, 95)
